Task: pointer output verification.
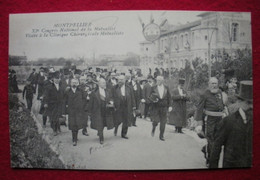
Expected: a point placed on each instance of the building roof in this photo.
(205, 13)
(182, 27)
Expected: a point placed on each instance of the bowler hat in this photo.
(246, 90)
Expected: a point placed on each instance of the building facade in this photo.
(205, 39)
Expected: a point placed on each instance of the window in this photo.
(147, 49)
(206, 38)
(234, 31)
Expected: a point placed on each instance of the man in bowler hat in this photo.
(234, 132)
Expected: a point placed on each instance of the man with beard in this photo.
(53, 101)
(101, 107)
(75, 103)
(234, 132)
(124, 104)
(210, 110)
(160, 100)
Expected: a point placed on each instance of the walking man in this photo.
(160, 100)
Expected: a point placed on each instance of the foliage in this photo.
(28, 149)
(17, 60)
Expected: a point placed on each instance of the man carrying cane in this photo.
(210, 110)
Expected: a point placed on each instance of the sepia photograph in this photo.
(131, 90)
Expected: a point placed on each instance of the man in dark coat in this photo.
(137, 95)
(234, 132)
(75, 103)
(33, 78)
(124, 104)
(147, 92)
(101, 107)
(161, 103)
(54, 103)
(65, 80)
(28, 91)
(48, 81)
(86, 95)
(178, 116)
(210, 110)
(40, 82)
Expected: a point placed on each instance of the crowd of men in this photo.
(109, 99)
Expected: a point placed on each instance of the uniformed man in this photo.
(210, 110)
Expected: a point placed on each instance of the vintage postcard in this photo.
(130, 90)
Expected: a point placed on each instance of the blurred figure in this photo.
(28, 91)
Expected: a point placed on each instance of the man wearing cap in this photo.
(124, 105)
(178, 116)
(53, 101)
(101, 108)
(75, 104)
(234, 132)
(160, 100)
(210, 110)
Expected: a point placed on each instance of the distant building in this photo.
(215, 31)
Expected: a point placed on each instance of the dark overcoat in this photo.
(97, 121)
(160, 107)
(75, 105)
(137, 94)
(236, 136)
(120, 108)
(41, 84)
(178, 115)
(55, 100)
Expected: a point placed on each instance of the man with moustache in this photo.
(210, 110)
(234, 132)
(161, 103)
(124, 105)
(101, 108)
(75, 104)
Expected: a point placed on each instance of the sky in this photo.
(125, 23)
